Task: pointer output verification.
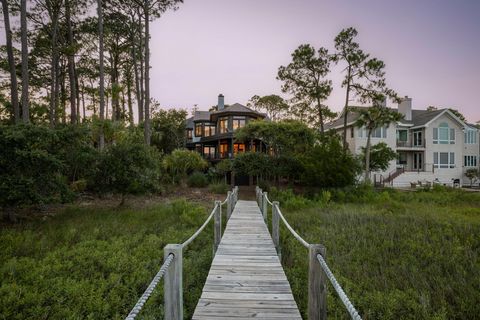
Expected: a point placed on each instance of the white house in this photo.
(431, 145)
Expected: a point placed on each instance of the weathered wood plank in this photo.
(246, 279)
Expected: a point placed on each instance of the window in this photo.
(238, 147)
(352, 134)
(224, 150)
(444, 160)
(402, 135)
(238, 122)
(223, 125)
(418, 138)
(198, 130)
(209, 152)
(470, 136)
(402, 159)
(379, 133)
(209, 130)
(360, 132)
(189, 133)
(443, 134)
(470, 161)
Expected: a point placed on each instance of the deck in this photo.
(246, 279)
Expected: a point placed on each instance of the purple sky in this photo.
(431, 48)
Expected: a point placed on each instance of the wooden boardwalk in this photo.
(246, 279)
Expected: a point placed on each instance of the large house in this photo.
(212, 133)
(431, 145)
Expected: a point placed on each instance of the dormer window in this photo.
(443, 134)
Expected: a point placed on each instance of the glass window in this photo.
(470, 136)
(210, 130)
(444, 160)
(198, 130)
(379, 132)
(189, 133)
(223, 150)
(209, 152)
(418, 138)
(402, 135)
(352, 132)
(238, 122)
(360, 132)
(443, 134)
(402, 158)
(223, 125)
(470, 161)
(238, 147)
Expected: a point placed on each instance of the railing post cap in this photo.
(173, 246)
(276, 203)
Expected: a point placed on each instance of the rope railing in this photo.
(199, 230)
(292, 231)
(317, 298)
(172, 265)
(148, 292)
(346, 302)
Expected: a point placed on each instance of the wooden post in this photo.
(217, 231)
(275, 226)
(173, 283)
(265, 206)
(229, 204)
(317, 284)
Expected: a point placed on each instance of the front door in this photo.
(417, 161)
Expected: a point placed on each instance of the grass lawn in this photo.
(86, 263)
(411, 255)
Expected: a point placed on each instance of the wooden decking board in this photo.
(246, 279)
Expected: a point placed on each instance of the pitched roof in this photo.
(189, 123)
(237, 107)
(419, 117)
(201, 116)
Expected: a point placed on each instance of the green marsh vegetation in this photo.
(398, 255)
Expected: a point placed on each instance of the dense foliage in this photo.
(398, 255)
(94, 263)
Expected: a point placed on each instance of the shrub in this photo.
(128, 168)
(180, 162)
(327, 165)
(219, 188)
(197, 180)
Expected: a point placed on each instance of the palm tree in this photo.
(373, 118)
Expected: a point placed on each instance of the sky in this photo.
(431, 48)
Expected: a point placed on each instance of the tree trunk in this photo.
(320, 115)
(147, 73)
(129, 97)
(345, 112)
(142, 72)
(54, 71)
(63, 93)
(83, 101)
(101, 143)
(23, 27)
(367, 157)
(11, 64)
(137, 80)
(71, 64)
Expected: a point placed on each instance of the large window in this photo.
(470, 136)
(238, 147)
(209, 130)
(198, 130)
(443, 134)
(470, 161)
(223, 150)
(223, 125)
(402, 135)
(444, 160)
(238, 122)
(376, 133)
(418, 138)
(209, 152)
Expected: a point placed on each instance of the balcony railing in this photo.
(411, 144)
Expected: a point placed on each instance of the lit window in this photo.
(209, 152)
(198, 129)
(238, 122)
(443, 134)
(209, 130)
(223, 150)
(189, 133)
(223, 125)
(238, 147)
(444, 160)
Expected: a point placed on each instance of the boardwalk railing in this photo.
(172, 267)
(318, 270)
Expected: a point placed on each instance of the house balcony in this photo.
(413, 145)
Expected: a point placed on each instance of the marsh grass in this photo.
(95, 264)
(397, 255)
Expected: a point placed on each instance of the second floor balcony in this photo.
(418, 143)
